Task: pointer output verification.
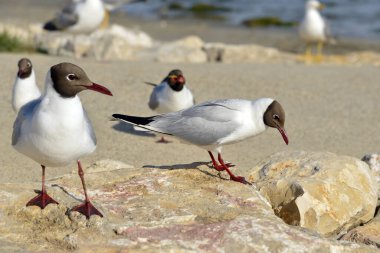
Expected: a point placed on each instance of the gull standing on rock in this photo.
(80, 16)
(25, 88)
(314, 28)
(212, 124)
(55, 131)
(171, 95)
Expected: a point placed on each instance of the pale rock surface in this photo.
(115, 42)
(25, 35)
(244, 53)
(368, 233)
(148, 210)
(188, 49)
(321, 191)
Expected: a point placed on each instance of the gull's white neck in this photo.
(312, 13)
(259, 107)
(63, 106)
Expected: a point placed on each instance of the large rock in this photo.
(188, 49)
(113, 43)
(148, 210)
(321, 191)
(226, 53)
(367, 234)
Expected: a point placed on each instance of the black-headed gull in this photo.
(314, 28)
(79, 16)
(212, 124)
(54, 130)
(170, 95)
(25, 88)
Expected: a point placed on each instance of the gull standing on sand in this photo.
(25, 88)
(54, 130)
(314, 28)
(212, 124)
(80, 16)
(171, 95)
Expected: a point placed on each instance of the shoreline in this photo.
(173, 29)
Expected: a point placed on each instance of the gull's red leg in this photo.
(86, 208)
(216, 165)
(163, 140)
(232, 176)
(42, 199)
(214, 162)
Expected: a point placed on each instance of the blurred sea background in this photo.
(347, 18)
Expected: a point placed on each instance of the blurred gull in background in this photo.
(80, 16)
(314, 28)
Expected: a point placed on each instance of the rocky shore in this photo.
(319, 194)
(300, 202)
(120, 43)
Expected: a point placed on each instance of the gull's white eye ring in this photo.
(71, 77)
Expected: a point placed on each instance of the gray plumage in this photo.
(66, 18)
(153, 99)
(213, 119)
(25, 112)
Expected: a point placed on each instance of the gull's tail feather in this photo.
(138, 121)
(151, 84)
(141, 122)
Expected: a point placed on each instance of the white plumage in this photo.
(53, 131)
(24, 91)
(313, 27)
(213, 124)
(80, 16)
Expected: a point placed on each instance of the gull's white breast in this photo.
(57, 132)
(312, 28)
(172, 101)
(91, 14)
(24, 91)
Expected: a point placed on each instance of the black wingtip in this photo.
(134, 119)
(49, 26)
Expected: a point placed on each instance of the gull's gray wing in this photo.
(22, 115)
(66, 18)
(153, 100)
(203, 124)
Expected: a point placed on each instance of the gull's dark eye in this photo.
(71, 77)
(28, 65)
(275, 116)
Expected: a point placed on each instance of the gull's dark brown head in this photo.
(176, 80)
(69, 79)
(24, 68)
(274, 117)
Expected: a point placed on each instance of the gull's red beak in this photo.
(283, 134)
(99, 88)
(181, 79)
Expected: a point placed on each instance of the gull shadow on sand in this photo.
(194, 165)
(130, 129)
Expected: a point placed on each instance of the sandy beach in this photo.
(329, 108)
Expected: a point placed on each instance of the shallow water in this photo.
(347, 18)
